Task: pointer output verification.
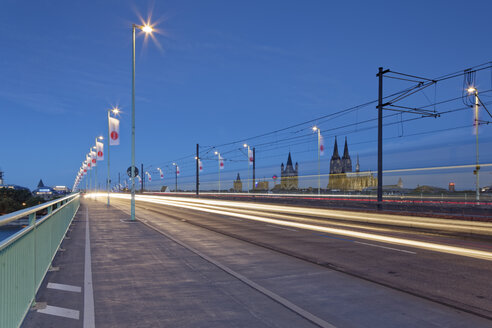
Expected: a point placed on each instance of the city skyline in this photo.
(211, 80)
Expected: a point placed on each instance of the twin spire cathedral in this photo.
(342, 165)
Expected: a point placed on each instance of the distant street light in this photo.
(249, 150)
(175, 177)
(316, 129)
(147, 29)
(218, 157)
(473, 90)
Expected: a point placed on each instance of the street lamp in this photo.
(175, 177)
(474, 91)
(249, 150)
(316, 129)
(218, 157)
(115, 111)
(147, 29)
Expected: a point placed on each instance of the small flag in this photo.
(321, 145)
(177, 170)
(114, 131)
(100, 150)
(221, 162)
(250, 156)
(200, 165)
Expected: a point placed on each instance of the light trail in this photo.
(483, 228)
(479, 254)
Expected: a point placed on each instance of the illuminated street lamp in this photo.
(473, 90)
(147, 28)
(316, 129)
(115, 111)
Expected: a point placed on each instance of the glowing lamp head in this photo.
(100, 137)
(315, 128)
(216, 153)
(147, 28)
(245, 145)
(471, 90)
(115, 110)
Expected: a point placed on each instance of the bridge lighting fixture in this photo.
(471, 90)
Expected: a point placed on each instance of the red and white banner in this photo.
(149, 176)
(93, 158)
(162, 174)
(200, 165)
(321, 145)
(250, 156)
(221, 162)
(88, 160)
(114, 131)
(177, 170)
(100, 150)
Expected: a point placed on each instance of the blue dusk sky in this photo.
(220, 73)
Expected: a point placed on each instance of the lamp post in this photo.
(175, 177)
(474, 91)
(147, 29)
(316, 129)
(218, 157)
(115, 112)
(249, 150)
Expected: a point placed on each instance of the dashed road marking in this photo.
(273, 226)
(60, 312)
(390, 248)
(68, 288)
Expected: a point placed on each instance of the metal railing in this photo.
(26, 256)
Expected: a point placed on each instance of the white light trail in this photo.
(182, 203)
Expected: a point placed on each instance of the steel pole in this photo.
(380, 139)
(197, 169)
(477, 168)
(107, 182)
(176, 178)
(133, 127)
(247, 184)
(319, 170)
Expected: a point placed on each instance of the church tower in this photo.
(346, 161)
(335, 162)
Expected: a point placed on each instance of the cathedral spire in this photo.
(335, 150)
(289, 161)
(345, 150)
(357, 166)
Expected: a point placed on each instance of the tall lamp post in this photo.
(218, 157)
(316, 129)
(147, 29)
(474, 91)
(249, 151)
(175, 177)
(95, 148)
(115, 112)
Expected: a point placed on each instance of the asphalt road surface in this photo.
(447, 262)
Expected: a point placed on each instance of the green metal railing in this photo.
(26, 256)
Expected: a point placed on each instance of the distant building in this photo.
(238, 185)
(341, 176)
(262, 186)
(61, 190)
(289, 175)
(43, 191)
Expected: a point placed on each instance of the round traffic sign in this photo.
(129, 171)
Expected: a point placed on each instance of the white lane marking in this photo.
(390, 248)
(281, 228)
(89, 321)
(68, 288)
(235, 219)
(61, 312)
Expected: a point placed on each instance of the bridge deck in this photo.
(145, 278)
